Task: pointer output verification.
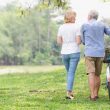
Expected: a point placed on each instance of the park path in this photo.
(9, 71)
(27, 69)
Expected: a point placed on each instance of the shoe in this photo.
(92, 99)
(71, 97)
(97, 97)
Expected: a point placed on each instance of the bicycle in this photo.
(107, 61)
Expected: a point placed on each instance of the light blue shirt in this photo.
(93, 38)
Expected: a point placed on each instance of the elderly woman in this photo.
(69, 37)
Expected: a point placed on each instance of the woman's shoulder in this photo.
(69, 25)
(62, 25)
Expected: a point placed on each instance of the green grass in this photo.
(45, 90)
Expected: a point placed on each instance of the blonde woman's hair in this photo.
(69, 16)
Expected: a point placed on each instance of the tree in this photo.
(54, 3)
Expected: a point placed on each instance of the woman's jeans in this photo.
(70, 61)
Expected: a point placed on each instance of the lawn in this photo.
(45, 90)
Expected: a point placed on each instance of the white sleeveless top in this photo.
(69, 32)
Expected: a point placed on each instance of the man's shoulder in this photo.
(85, 25)
(93, 23)
(100, 22)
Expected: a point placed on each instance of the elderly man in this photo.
(93, 38)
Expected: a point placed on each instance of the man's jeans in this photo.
(70, 61)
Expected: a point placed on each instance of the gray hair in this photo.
(93, 14)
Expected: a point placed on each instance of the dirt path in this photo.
(27, 69)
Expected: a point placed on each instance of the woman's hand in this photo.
(78, 40)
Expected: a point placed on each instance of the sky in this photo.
(4, 2)
(82, 7)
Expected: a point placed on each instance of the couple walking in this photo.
(91, 34)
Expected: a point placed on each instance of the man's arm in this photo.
(107, 30)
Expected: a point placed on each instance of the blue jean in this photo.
(70, 61)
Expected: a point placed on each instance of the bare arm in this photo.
(78, 40)
(59, 40)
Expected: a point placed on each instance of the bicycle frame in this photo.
(108, 78)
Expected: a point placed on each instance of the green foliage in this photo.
(53, 3)
(107, 41)
(26, 38)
